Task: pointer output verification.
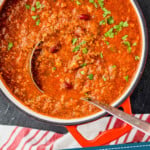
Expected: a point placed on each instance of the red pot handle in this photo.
(106, 136)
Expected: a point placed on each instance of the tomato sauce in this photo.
(88, 48)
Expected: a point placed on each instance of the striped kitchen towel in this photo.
(20, 138)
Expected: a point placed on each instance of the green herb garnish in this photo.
(137, 58)
(110, 33)
(104, 79)
(74, 40)
(134, 44)
(91, 76)
(95, 4)
(102, 22)
(78, 2)
(83, 65)
(110, 20)
(83, 42)
(77, 48)
(126, 78)
(33, 9)
(106, 12)
(101, 54)
(101, 3)
(10, 45)
(84, 50)
(54, 68)
(38, 5)
(114, 66)
(82, 72)
(106, 42)
(121, 25)
(34, 17)
(117, 28)
(91, 1)
(38, 22)
(127, 43)
(27, 6)
(124, 37)
(125, 24)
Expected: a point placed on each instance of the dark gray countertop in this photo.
(140, 99)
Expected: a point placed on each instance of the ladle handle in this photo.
(131, 120)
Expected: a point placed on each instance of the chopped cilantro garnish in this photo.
(82, 72)
(127, 43)
(121, 25)
(110, 33)
(83, 65)
(78, 2)
(91, 76)
(33, 9)
(38, 22)
(101, 54)
(83, 42)
(137, 58)
(106, 12)
(74, 40)
(125, 24)
(38, 5)
(34, 17)
(77, 48)
(27, 6)
(91, 1)
(102, 22)
(110, 20)
(129, 49)
(126, 78)
(114, 30)
(107, 42)
(103, 77)
(95, 4)
(10, 45)
(124, 37)
(54, 68)
(84, 50)
(134, 44)
(114, 66)
(101, 3)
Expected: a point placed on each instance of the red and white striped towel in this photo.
(20, 138)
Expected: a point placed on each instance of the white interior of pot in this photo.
(85, 119)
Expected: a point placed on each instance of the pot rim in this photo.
(96, 116)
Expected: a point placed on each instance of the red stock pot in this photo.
(123, 101)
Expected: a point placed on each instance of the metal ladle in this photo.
(30, 67)
(133, 121)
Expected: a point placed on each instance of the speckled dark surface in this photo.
(140, 98)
